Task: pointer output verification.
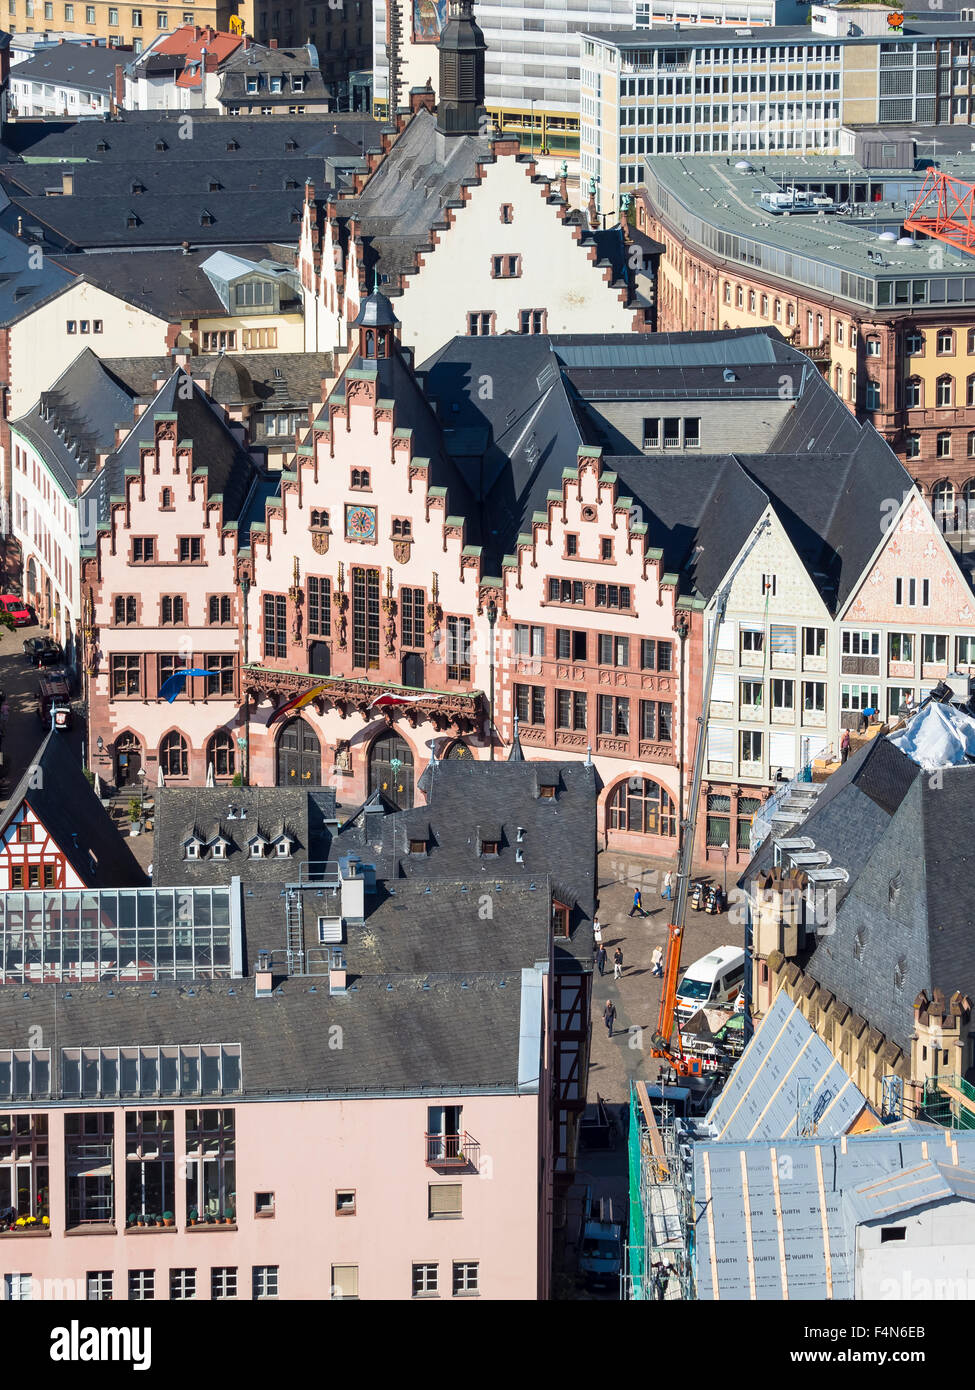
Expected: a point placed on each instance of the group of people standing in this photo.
(602, 955)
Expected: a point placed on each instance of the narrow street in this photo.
(626, 1056)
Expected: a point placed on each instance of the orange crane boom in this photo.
(662, 1043)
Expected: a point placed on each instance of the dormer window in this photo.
(252, 85)
(206, 219)
(219, 849)
(161, 146)
(490, 847)
(547, 792)
(418, 846)
(257, 849)
(192, 849)
(283, 848)
(232, 145)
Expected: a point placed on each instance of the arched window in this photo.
(778, 310)
(853, 386)
(945, 391)
(641, 807)
(873, 346)
(914, 393)
(319, 518)
(839, 381)
(173, 756)
(946, 342)
(966, 520)
(970, 390)
(222, 754)
(872, 401)
(943, 504)
(360, 477)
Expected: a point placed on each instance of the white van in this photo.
(714, 979)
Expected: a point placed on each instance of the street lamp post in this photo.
(142, 797)
(724, 850)
(532, 103)
(492, 617)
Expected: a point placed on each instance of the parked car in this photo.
(17, 609)
(43, 651)
(54, 700)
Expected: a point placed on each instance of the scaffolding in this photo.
(660, 1246)
(949, 1101)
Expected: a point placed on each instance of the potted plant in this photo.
(194, 1216)
(228, 1216)
(141, 1218)
(135, 815)
(168, 1218)
(130, 1219)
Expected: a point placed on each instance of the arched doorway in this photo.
(391, 769)
(128, 760)
(299, 755)
(48, 609)
(31, 594)
(641, 807)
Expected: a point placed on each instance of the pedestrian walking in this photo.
(637, 903)
(617, 962)
(657, 960)
(609, 1016)
(845, 746)
(668, 892)
(597, 932)
(601, 958)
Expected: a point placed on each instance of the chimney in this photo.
(272, 43)
(67, 185)
(263, 979)
(247, 40)
(337, 975)
(119, 85)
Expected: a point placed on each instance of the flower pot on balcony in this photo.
(168, 1218)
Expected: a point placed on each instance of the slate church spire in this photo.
(460, 110)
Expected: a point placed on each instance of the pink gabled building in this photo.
(419, 545)
(351, 1088)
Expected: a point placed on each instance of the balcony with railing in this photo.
(456, 1152)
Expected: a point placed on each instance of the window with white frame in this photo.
(89, 1149)
(859, 643)
(24, 1172)
(857, 697)
(529, 640)
(211, 1167)
(264, 1282)
(814, 697)
(345, 1281)
(900, 646)
(750, 745)
(182, 1284)
(934, 649)
(150, 1163)
(466, 1274)
(965, 648)
(98, 1286)
(783, 695)
(18, 1288)
(814, 641)
(425, 1279)
(142, 1285)
(223, 1281)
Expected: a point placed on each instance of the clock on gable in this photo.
(360, 523)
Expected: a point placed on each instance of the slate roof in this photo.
(279, 171)
(821, 473)
(24, 284)
(166, 283)
(235, 378)
(903, 920)
(301, 61)
(453, 1036)
(468, 802)
(182, 810)
(56, 789)
(133, 136)
(75, 420)
(785, 1067)
(418, 927)
(231, 473)
(788, 1255)
(72, 65)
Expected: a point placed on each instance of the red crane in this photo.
(945, 209)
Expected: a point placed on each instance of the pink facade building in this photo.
(384, 561)
(313, 1060)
